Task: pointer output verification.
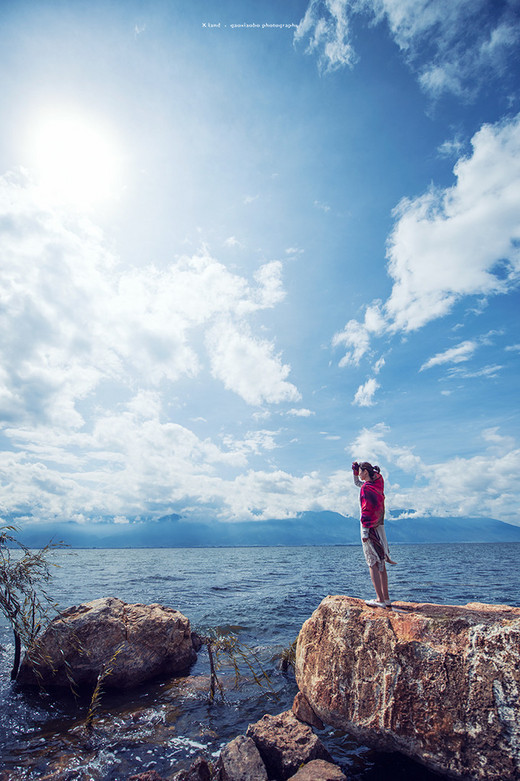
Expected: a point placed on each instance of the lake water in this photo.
(263, 595)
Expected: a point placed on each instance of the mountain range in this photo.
(308, 528)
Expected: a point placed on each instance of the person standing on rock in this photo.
(373, 536)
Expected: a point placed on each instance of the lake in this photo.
(261, 594)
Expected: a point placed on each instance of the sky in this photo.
(245, 243)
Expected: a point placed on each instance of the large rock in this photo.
(438, 683)
(285, 743)
(137, 642)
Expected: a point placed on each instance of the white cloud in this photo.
(462, 352)
(232, 241)
(248, 365)
(378, 365)
(370, 445)
(324, 207)
(458, 486)
(451, 148)
(448, 244)
(270, 287)
(463, 240)
(486, 371)
(452, 45)
(301, 412)
(326, 26)
(91, 354)
(365, 393)
(355, 337)
(72, 317)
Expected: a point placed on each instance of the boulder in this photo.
(439, 683)
(285, 743)
(240, 760)
(319, 770)
(129, 644)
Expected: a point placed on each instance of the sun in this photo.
(75, 158)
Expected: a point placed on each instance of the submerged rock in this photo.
(129, 644)
(438, 683)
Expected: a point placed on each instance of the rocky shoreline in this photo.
(437, 683)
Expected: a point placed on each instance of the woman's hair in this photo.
(372, 470)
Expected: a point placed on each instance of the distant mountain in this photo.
(308, 528)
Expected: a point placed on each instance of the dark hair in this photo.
(372, 470)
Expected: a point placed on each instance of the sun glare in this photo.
(75, 159)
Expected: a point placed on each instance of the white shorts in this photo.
(376, 550)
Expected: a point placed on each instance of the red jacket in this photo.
(372, 498)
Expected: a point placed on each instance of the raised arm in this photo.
(355, 474)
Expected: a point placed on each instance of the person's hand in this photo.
(355, 468)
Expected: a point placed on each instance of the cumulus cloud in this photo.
(450, 243)
(365, 393)
(355, 337)
(451, 45)
(91, 354)
(462, 240)
(73, 317)
(248, 365)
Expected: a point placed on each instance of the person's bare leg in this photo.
(375, 574)
(383, 574)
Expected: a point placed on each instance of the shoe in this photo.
(375, 603)
(388, 603)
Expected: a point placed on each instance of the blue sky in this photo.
(244, 243)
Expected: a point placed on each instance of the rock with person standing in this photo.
(439, 683)
(127, 644)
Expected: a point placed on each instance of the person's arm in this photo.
(355, 474)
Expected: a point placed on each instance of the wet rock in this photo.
(303, 712)
(319, 770)
(438, 683)
(148, 775)
(240, 760)
(135, 642)
(285, 743)
(199, 770)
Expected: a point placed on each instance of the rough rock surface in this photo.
(240, 760)
(438, 683)
(303, 712)
(199, 770)
(319, 770)
(285, 743)
(138, 642)
(147, 775)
